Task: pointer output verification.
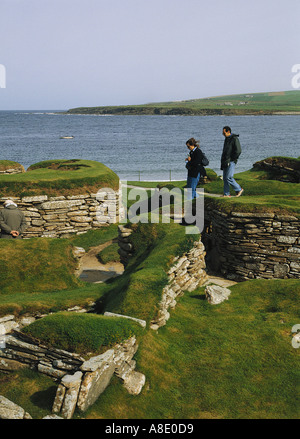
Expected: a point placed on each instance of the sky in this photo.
(61, 54)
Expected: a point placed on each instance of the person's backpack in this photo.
(237, 148)
(204, 160)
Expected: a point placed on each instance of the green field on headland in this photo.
(283, 102)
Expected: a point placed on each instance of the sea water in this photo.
(142, 147)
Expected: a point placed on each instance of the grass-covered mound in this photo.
(59, 177)
(9, 164)
(82, 333)
(263, 191)
(280, 168)
(38, 274)
(36, 265)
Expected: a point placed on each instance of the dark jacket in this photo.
(195, 164)
(230, 150)
(11, 218)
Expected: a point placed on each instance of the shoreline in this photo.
(170, 113)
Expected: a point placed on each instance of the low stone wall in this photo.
(186, 274)
(81, 381)
(125, 247)
(13, 170)
(84, 387)
(64, 216)
(20, 351)
(244, 246)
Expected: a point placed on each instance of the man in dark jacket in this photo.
(12, 221)
(230, 155)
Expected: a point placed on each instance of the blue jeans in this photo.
(229, 180)
(192, 183)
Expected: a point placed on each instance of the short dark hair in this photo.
(227, 129)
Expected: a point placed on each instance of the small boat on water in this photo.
(66, 137)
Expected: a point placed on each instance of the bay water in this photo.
(142, 147)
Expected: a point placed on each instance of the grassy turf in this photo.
(229, 361)
(109, 254)
(36, 265)
(59, 177)
(82, 333)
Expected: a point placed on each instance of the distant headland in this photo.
(270, 103)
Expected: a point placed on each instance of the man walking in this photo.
(230, 155)
(12, 221)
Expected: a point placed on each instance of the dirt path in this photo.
(91, 269)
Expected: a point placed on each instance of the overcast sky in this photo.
(60, 54)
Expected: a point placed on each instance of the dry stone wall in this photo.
(81, 381)
(186, 274)
(244, 246)
(82, 388)
(64, 216)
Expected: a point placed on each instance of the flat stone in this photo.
(10, 410)
(35, 199)
(286, 239)
(95, 363)
(59, 399)
(51, 371)
(253, 215)
(93, 384)
(61, 204)
(141, 322)
(7, 318)
(52, 417)
(216, 294)
(78, 252)
(281, 270)
(7, 327)
(134, 382)
(70, 381)
(9, 365)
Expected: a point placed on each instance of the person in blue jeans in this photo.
(193, 165)
(230, 155)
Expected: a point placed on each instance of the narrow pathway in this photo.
(91, 269)
(153, 188)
